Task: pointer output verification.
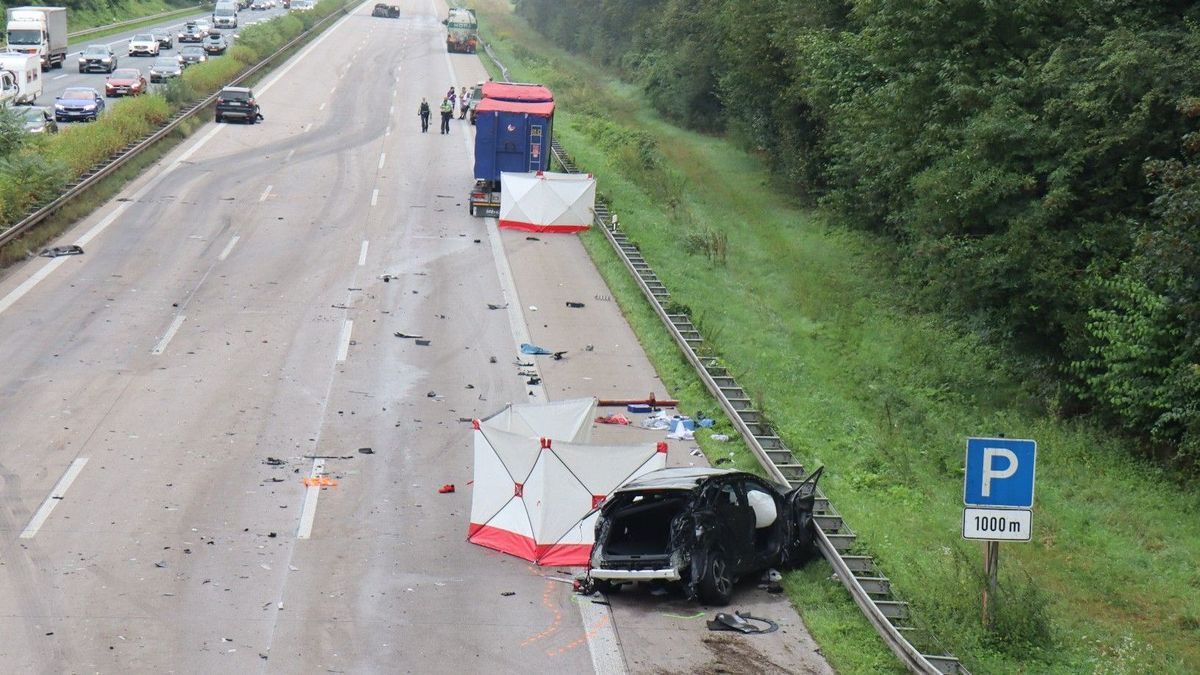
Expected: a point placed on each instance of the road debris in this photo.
(366, 451)
(613, 419)
(408, 336)
(446, 489)
(274, 461)
(423, 343)
(508, 594)
(56, 251)
(491, 306)
(319, 481)
(743, 622)
(574, 305)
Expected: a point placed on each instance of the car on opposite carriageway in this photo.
(143, 44)
(125, 82)
(165, 68)
(192, 54)
(97, 58)
(78, 103)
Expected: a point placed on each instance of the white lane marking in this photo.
(265, 193)
(300, 57)
(166, 338)
(59, 77)
(15, 294)
(362, 253)
(308, 126)
(374, 196)
(289, 155)
(344, 341)
(389, 131)
(56, 496)
(607, 658)
(392, 110)
(229, 248)
(308, 512)
(382, 157)
(321, 107)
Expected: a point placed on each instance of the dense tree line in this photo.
(1034, 161)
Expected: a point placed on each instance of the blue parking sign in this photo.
(1000, 472)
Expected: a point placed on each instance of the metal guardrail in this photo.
(129, 22)
(119, 158)
(870, 590)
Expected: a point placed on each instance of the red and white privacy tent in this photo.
(547, 202)
(538, 482)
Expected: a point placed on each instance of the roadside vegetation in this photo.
(84, 14)
(35, 169)
(818, 318)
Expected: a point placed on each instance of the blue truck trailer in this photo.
(510, 135)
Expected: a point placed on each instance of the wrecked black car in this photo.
(702, 528)
(386, 11)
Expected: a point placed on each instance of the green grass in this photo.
(808, 316)
(83, 19)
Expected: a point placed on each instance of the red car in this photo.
(125, 82)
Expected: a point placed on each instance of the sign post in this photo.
(997, 500)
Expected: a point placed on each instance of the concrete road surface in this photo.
(185, 408)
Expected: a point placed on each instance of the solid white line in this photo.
(607, 658)
(374, 196)
(166, 338)
(229, 248)
(56, 496)
(15, 294)
(344, 341)
(382, 156)
(362, 253)
(308, 512)
(265, 193)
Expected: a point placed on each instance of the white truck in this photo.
(41, 31)
(26, 71)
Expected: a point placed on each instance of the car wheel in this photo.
(81, 71)
(219, 119)
(716, 583)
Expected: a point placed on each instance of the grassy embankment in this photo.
(91, 17)
(806, 314)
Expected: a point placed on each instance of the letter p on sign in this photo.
(999, 472)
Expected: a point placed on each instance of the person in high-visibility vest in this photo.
(447, 113)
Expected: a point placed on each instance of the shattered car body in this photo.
(702, 528)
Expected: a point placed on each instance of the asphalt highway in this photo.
(57, 80)
(186, 408)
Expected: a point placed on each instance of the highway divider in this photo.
(45, 172)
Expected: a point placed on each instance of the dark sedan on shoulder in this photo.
(237, 103)
(78, 103)
(702, 529)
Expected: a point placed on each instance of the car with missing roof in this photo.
(237, 103)
(144, 44)
(78, 103)
(97, 58)
(702, 529)
(125, 82)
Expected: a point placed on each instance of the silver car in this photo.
(144, 44)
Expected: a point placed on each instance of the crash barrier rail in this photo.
(129, 22)
(871, 591)
(115, 161)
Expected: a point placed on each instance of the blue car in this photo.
(78, 103)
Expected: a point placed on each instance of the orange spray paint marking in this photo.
(592, 630)
(548, 603)
(320, 481)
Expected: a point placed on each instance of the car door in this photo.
(802, 540)
(735, 522)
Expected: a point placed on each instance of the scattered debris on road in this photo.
(56, 251)
(613, 419)
(407, 336)
(508, 593)
(491, 306)
(743, 622)
(366, 451)
(575, 305)
(446, 489)
(423, 343)
(274, 461)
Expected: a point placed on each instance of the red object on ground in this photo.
(448, 487)
(613, 419)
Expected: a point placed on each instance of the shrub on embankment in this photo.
(34, 170)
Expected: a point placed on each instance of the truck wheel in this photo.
(81, 69)
(716, 582)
